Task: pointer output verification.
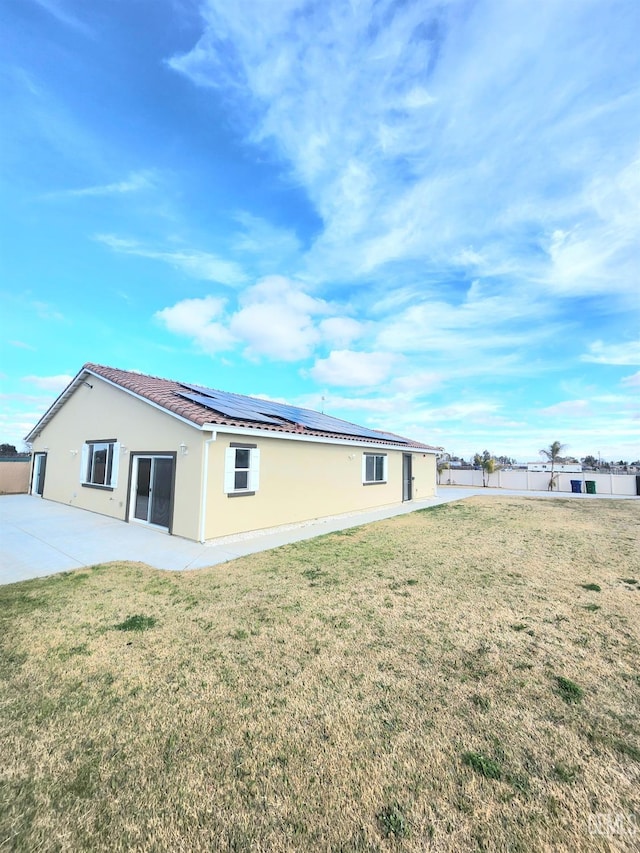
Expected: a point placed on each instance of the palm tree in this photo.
(444, 463)
(552, 454)
(489, 465)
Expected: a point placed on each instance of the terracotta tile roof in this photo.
(166, 393)
(163, 392)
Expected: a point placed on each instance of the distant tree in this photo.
(589, 462)
(553, 454)
(8, 450)
(443, 464)
(505, 460)
(488, 463)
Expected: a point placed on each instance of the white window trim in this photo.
(253, 472)
(385, 468)
(113, 451)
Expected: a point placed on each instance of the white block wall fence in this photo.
(606, 484)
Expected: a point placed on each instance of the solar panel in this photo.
(327, 423)
(270, 412)
(225, 408)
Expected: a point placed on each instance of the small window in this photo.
(100, 464)
(241, 470)
(374, 468)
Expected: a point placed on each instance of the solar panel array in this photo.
(268, 412)
(231, 409)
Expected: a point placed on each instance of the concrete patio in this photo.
(39, 537)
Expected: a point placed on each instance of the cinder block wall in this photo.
(14, 476)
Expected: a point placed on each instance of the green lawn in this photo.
(461, 678)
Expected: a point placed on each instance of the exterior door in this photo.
(152, 490)
(407, 478)
(39, 470)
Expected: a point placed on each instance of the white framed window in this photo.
(241, 469)
(99, 464)
(374, 468)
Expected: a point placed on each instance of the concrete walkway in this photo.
(39, 537)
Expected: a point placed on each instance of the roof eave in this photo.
(86, 371)
(319, 439)
(57, 404)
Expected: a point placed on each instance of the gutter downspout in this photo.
(205, 486)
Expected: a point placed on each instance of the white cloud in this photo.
(419, 382)
(350, 369)
(274, 318)
(201, 265)
(341, 331)
(135, 182)
(600, 253)
(483, 326)
(434, 144)
(278, 332)
(569, 409)
(441, 144)
(45, 311)
(476, 411)
(198, 319)
(423, 130)
(338, 405)
(50, 383)
(277, 320)
(56, 9)
(273, 248)
(624, 353)
(278, 290)
(632, 381)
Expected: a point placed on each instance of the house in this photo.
(201, 463)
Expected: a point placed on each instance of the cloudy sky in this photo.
(426, 213)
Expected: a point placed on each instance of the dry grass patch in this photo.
(434, 681)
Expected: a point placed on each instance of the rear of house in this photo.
(202, 464)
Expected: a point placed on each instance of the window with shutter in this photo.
(241, 470)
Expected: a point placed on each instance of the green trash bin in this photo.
(591, 486)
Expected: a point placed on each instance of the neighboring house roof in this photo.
(196, 405)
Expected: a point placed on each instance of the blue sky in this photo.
(426, 213)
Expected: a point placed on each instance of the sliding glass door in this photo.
(152, 490)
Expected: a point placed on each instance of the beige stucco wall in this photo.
(302, 480)
(14, 477)
(105, 412)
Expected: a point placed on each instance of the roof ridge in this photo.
(173, 395)
(98, 367)
(188, 385)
